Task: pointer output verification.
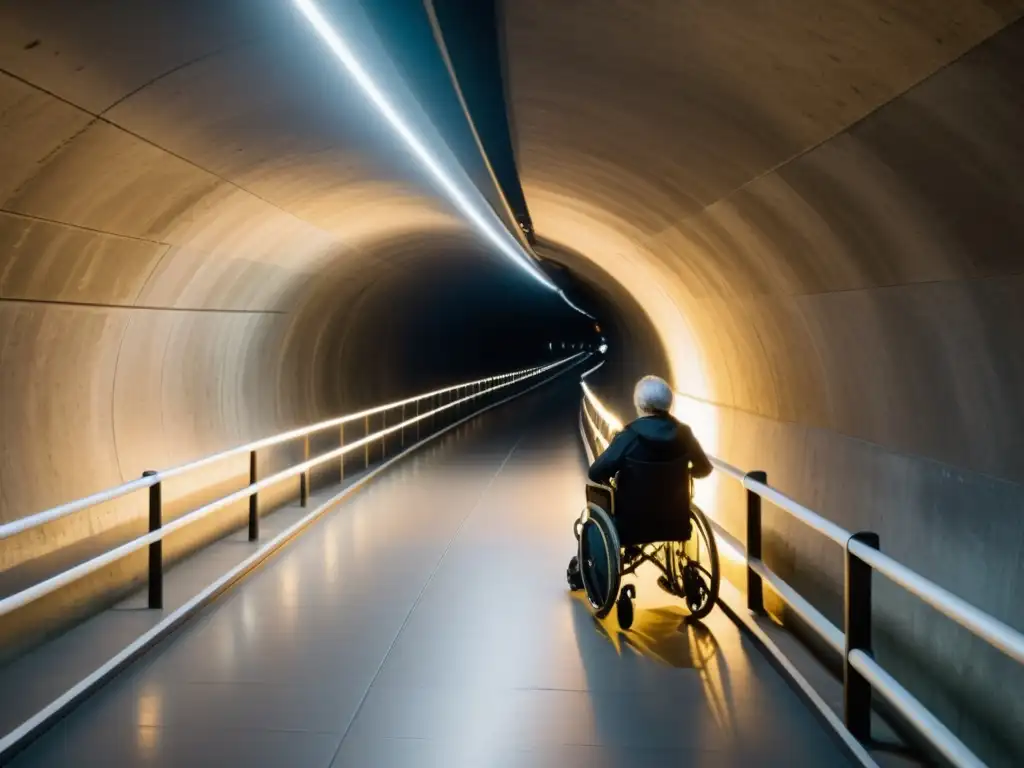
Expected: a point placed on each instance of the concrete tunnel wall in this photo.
(208, 236)
(820, 207)
(816, 205)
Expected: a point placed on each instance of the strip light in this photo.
(566, 300)
(492, 230)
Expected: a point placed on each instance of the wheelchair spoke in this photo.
(701, 568)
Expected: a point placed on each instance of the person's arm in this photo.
(607, 464)
(702, 466)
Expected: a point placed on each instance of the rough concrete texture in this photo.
(205, 233)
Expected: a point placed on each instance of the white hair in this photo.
(652, 395)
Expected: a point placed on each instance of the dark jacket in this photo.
(651, 438)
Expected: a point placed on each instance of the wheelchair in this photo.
(645, 516)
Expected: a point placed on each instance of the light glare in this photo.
(566, 300)
(493, 231)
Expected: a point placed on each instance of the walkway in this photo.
(426, 622)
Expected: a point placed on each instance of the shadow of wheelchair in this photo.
(661, 634)
(665, 636)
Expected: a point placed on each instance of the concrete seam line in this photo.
(422, 592)
(17, 739)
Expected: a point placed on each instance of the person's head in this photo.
(652, 396)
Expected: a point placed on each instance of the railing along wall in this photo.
(425, 416)
(862, 674)
(408, 418)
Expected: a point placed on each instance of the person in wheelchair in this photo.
(656, 436)
(640, 510)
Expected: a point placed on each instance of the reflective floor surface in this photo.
(426, 622)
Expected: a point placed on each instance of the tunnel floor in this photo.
(426, 622)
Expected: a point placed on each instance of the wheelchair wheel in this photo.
(572, 575)
(624, 606)
(599, 560)
(693, 569)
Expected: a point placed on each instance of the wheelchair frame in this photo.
(627, 559)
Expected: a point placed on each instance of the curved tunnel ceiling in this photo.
(809, 214)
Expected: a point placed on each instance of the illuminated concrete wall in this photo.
(820, 207)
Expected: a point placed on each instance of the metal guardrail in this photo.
(862, 674)
(530, 379)
(40, 518)
(450, 399)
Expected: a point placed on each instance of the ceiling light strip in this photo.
(493, 231)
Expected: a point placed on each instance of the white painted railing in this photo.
(441, 402)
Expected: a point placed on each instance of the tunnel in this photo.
(807, 216)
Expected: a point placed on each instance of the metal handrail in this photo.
(601, 439)
(29, 522)
(858, 658)
(591, 370)
(989, 628)
(610, 419)
(43, 718)
(43, 588)
(725, 467)
(832, 634)
(808, 517)
(938, 734)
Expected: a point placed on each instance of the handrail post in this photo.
(383, 437)
(341, 459)
(857, 623)
(156, 548)
(366, 447)
(304, 477)
(755, 588)
(417, 421)
(254, 503)
(401, 432)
